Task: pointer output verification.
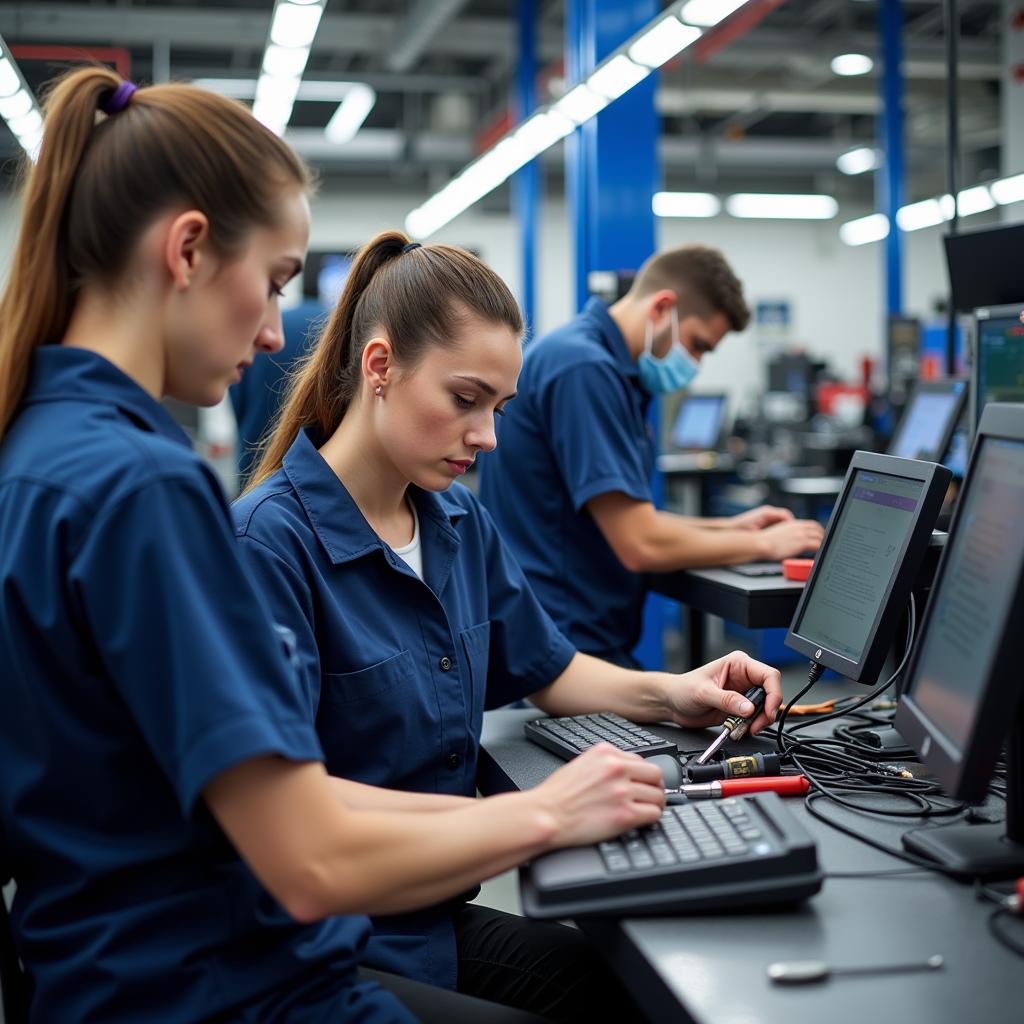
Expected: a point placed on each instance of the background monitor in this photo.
(929, 420)
(699, 422)
(867, 564)
(965, 679)
(998, 374)
(984, 266)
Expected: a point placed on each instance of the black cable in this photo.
(1002, 937)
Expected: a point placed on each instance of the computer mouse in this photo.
(671, 770)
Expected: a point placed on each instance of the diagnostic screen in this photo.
(925, 424)
(859, 562)
(1000, 361)
(699, 422)
(981, 570)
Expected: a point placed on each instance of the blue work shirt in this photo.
(397, 670)
(139, 663)
(577, 430)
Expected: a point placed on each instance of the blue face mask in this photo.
(671, 373)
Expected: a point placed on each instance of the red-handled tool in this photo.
(784, 785)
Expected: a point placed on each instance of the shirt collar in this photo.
(60, 373)
(336, 518)
(611, 336)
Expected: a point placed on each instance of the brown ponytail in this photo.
(101, 181)
(418, 296)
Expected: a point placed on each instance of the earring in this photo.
(378, 390)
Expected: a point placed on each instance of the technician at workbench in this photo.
(569, 483)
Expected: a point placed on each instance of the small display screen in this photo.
(699, 422)
(981, 569)
(1000, 361)
(859, 562)
(925, 424)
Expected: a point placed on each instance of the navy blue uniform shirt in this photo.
(397, 670)
(139, 663)
(577, 430)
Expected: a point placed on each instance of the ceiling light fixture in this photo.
(709, 12)
(293, 27)
(781, 206)
(18, 106)
(685, 204)
(850, 64)
(631, 63)
(859, 160)
(872, 228)
(351, 113)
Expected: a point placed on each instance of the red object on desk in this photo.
(784, 785)
(797, 569)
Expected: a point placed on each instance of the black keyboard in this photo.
(568, 737)
(703, 855)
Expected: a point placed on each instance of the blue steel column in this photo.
(891, 177)
(526, 187)
(612, 173)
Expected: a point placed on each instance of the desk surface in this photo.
(757, 602)
(711, 969)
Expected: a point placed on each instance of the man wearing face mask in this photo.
(569, 483)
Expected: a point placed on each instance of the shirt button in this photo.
(454, 760)
(446, 664)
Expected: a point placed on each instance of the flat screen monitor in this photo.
(984, 266)
(929, 420)
(998, 374)
(866, 567)
(699, 423)
(965, 681)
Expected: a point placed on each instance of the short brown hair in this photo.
(702, 278)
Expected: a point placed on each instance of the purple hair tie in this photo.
(118, 99)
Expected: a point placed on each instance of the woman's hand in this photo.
(601, 794)
(708, 695)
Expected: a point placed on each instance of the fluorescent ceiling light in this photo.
(17, 105)
(29, 124)
(1008, 190)
(542, 131)
(782, 207)
(616, 77)
(351, 113)
(974, 200)
(685, 204)
(661, 43)
(872, 228)
(10, 80)
(284, 61)
(857, 161)
(924, 214)
(295, 25)
(709, 12)
(581, 104)
(849, 64)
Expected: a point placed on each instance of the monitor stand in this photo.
(983, 851)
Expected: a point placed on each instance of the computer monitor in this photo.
(867, 564)
(984, 266)
(929, 420)
(699, 422)
(998, 373)
(965, 681)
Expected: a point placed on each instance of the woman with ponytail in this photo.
(411, 616)
(179, 851)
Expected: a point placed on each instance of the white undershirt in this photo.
(412, 553)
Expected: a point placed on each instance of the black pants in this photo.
(526, 971)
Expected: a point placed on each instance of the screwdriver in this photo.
(802, 972)
(735, 727)
(784, 785)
